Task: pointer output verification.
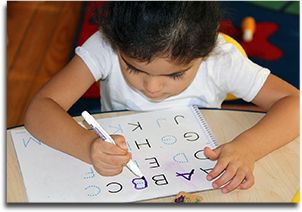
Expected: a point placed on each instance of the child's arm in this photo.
(47, 120)
(278, 127)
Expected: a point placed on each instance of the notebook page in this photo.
(167, 146)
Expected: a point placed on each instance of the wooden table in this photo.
(276, 175)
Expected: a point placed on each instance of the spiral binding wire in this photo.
(204, 125)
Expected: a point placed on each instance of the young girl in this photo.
(155, 55)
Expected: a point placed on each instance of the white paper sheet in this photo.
(166, 145)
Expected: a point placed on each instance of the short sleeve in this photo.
(97, 56)
(237, 74)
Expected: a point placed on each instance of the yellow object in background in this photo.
(229, 39)
(296, 198)
(248, 28)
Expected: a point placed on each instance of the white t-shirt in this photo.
(225, 71)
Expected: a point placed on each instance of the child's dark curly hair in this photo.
(180, 31)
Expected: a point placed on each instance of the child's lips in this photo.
(153, 96)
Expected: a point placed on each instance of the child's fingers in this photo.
(248, 182)
(212, 154)
(235, 182)
(115, 159)
(218, 169)
(105, 169)
(120, 141)
(109, 165)
(111, 149)
(111, 172)
(108, 159)
(226, 176)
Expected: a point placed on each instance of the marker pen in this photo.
(107, 138)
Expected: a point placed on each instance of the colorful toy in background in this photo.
(254, 42)
(274, 43)
(184, 197)
(248, 28)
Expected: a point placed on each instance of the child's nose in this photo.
(153, 84)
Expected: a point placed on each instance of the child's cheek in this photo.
(135, 81)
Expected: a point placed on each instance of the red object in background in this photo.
(89, 28)
(260, 46)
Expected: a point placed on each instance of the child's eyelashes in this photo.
(132, 70)
(177, 76)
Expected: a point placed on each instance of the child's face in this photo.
(160, 78)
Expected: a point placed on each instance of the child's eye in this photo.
(177, 76)
(132, 70)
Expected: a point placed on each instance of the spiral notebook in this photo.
(167, 145)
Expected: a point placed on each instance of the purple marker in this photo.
(107, 138)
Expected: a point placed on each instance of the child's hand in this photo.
(108, 159)
(238, 164)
